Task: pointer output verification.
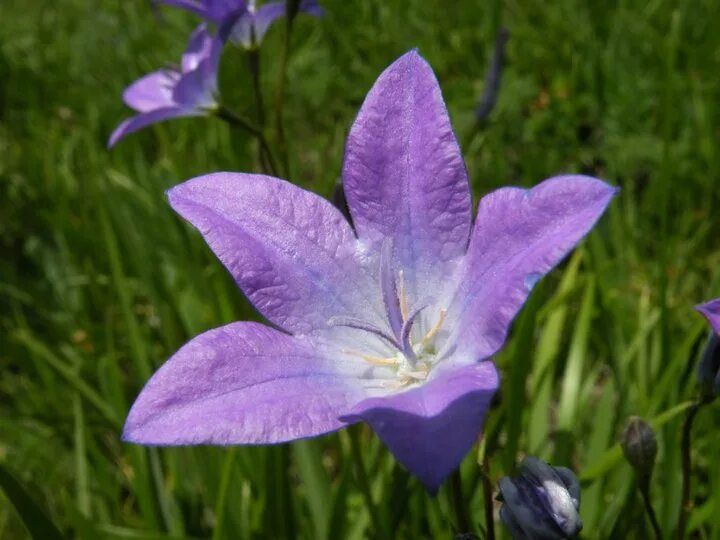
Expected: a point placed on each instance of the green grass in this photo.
(100, 281)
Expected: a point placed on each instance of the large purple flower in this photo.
(392, 322)
(242, 21)
(188, 90)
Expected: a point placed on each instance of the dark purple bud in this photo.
(542, 502)
(493, 77)
(640, 448)
(708, 370)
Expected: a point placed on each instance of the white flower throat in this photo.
(413, 358)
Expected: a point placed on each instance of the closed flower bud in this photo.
(708, 371)
(541, 503)
(640, 448)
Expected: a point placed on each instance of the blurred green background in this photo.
(100, 281)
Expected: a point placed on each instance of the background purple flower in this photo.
(391, 323)
(173, 92)
(242, 22)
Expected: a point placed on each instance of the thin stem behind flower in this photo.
(280, 93)
(238, 121)
(488, 497)
(685, 448)
(458, 503)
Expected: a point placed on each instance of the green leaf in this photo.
(36, 521)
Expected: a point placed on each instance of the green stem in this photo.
(488, 497)
(254, 65)
(651, 512)
(237, 121)
(364, 484)
(280, 94)
(458, 502)
(685, 445)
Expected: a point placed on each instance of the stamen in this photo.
(402, 296)
(435, 329)
(375, 360)
(422, 375)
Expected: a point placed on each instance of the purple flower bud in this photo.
(542, 502)
(640, 448)
(708, 370)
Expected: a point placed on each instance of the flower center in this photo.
(412, 359)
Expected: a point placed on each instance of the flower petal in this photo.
(243, 383)
(519, 236)
(142, 120)
(404, 176)
(190, 5)
(431, 428)
(152, 91)
(290, 251)
(199, 48)
(197, 86)
(266, 15)
(711, 311)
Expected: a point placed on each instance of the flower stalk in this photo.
(458, 503)
(685, 449)
(268, 163)
(291, 11)
(488, 498)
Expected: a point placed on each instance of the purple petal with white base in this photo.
(290, 251)
(404, 176)
(711, 311)
(243, 383)
(391, 326)
(429, 429)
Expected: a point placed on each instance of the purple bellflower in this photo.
(174, 92)
(243, 22)
(391, 322)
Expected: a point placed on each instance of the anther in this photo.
(401, 296)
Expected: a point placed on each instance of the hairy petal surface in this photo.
(404, 176)
(519, 236)
(431, 428)
(143, 120)
(243, 383)
(711, 311)
(290, 251)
